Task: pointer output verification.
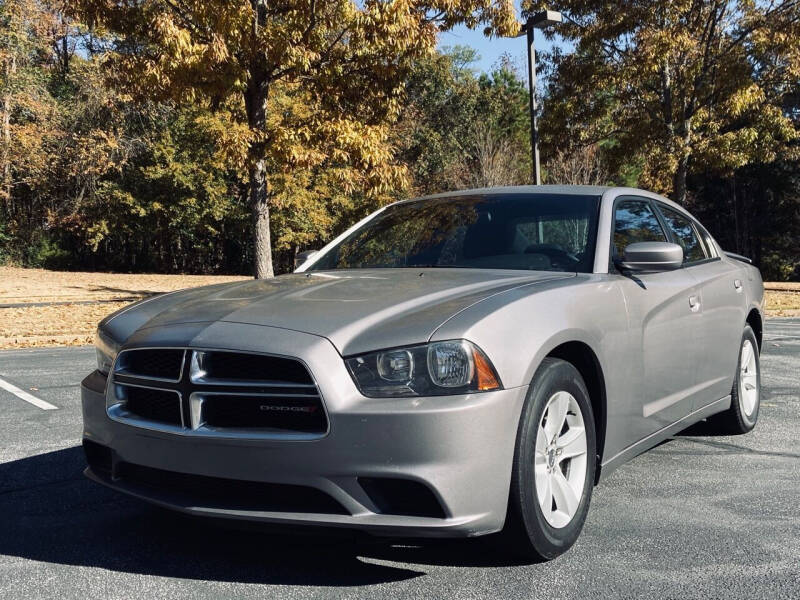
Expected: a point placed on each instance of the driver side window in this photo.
(635, 221)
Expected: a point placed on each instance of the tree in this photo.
(676, 85)
(755, 212)
(497, 147)
(460, 130)
(23, 97)
(577, 166)
(343, 61)
(31, 124)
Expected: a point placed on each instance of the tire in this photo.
(742, 415)
(533, 530)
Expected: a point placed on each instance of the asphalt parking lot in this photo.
(697, 517)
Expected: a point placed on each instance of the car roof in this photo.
(573, 190)
(566, 190)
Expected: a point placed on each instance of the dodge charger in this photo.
(457, 365)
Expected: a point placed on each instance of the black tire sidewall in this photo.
(551, 377)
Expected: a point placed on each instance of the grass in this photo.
(74, 324)
(71, 324)
(783, 299)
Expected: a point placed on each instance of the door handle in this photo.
(694, 303)
(737, 283)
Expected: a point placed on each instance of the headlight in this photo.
(107, 350)
(435, 369)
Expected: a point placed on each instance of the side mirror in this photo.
(651, 256)
(302, 257)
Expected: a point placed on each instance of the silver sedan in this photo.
(457, 365)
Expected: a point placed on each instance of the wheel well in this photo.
(583, 358)
(754, 320)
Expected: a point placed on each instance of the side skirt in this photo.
(659, 436)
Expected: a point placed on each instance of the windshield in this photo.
(539, 232)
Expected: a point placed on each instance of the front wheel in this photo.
(554, 464)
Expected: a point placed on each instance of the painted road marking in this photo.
(23, 395)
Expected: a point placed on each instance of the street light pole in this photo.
(537, 175)
(540, 20)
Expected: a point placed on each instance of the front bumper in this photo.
(459, 447)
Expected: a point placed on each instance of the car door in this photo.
(662, 323)
(719, 328)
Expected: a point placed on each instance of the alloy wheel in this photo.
(748, 379)
(560, 459)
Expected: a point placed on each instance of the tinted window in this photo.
(685, 235)
(538, 232)
(635, 221)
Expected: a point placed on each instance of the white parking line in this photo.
(23, 395)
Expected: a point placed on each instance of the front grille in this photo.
(294, 414)
(162, 406)
(160, 364)
(232, 494)
(216, 392)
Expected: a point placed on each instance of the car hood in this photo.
(357, 310)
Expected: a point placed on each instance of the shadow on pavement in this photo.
(51, 513)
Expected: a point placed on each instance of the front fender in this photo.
(518, 328)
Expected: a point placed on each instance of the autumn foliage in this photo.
(309, 84)
(191, 136)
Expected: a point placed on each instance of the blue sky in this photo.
(491, 49)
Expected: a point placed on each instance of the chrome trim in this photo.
(255, 394)
(246, 383)
(194, 368)
(196, 411)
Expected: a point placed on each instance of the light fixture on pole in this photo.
(540, 20)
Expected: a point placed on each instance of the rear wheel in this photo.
(742, 415)
(554, 464)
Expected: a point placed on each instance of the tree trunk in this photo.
(259, 202)
(10, 70)
(255, 100)
(679, 180)
(65, 53)
(682, 169)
